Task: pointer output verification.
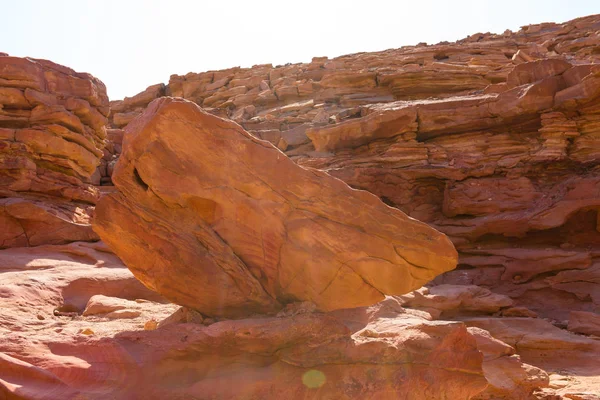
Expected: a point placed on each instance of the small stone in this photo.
(150, 325)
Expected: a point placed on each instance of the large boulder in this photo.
(220, 221)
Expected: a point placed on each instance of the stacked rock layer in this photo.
(52, 132)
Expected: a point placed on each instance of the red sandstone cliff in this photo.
(52, 132)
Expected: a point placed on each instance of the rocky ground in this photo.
(492, 140)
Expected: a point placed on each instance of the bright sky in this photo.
(132, 44)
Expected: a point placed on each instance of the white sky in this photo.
(132, 44)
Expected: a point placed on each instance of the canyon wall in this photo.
(52, 133)
(492, 139)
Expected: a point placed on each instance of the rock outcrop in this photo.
(280, 103)
(346, 354)
(52, 132)
(511, 178)
(76, 324)
(233, 227)
(493, 140)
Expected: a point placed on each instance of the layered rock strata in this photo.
(280, 103)
(73, 328)
(501, 158)
(492, 139)
(510, 177)
(76, 324)
(52, 132)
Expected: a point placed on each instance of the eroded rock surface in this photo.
(349, 354)
(492, 139)
(52, 132)
(281, 103)
(518, 198)
(219, 221)
(58, 339)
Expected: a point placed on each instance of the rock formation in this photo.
(348, 354)
(510, 177)
(234, 227)
(280, 103)
(492, 140)
(52, 132)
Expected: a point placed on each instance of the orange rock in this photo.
(223, 214)
(535, 71)
(456, 299)
(150, 325)
(503, 159)
(52, 132)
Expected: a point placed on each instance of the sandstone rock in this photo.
(518, 312)
(22, 380)
(62, 276)
(182, 315)
(35, 280)
(247, 228)
(150, 325)
(122, 119)
(502, 155)
(510, 378)
(123, 314)
(491, 347)
(355, 132)
(539, 343)
(507, 375)
(582, 396)
(476, 168)
(52, 132)
(141, 99)
(533, 335)
(531, 72)
(377, 351)
(32, 222)
(411, 72)
(584, 322)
